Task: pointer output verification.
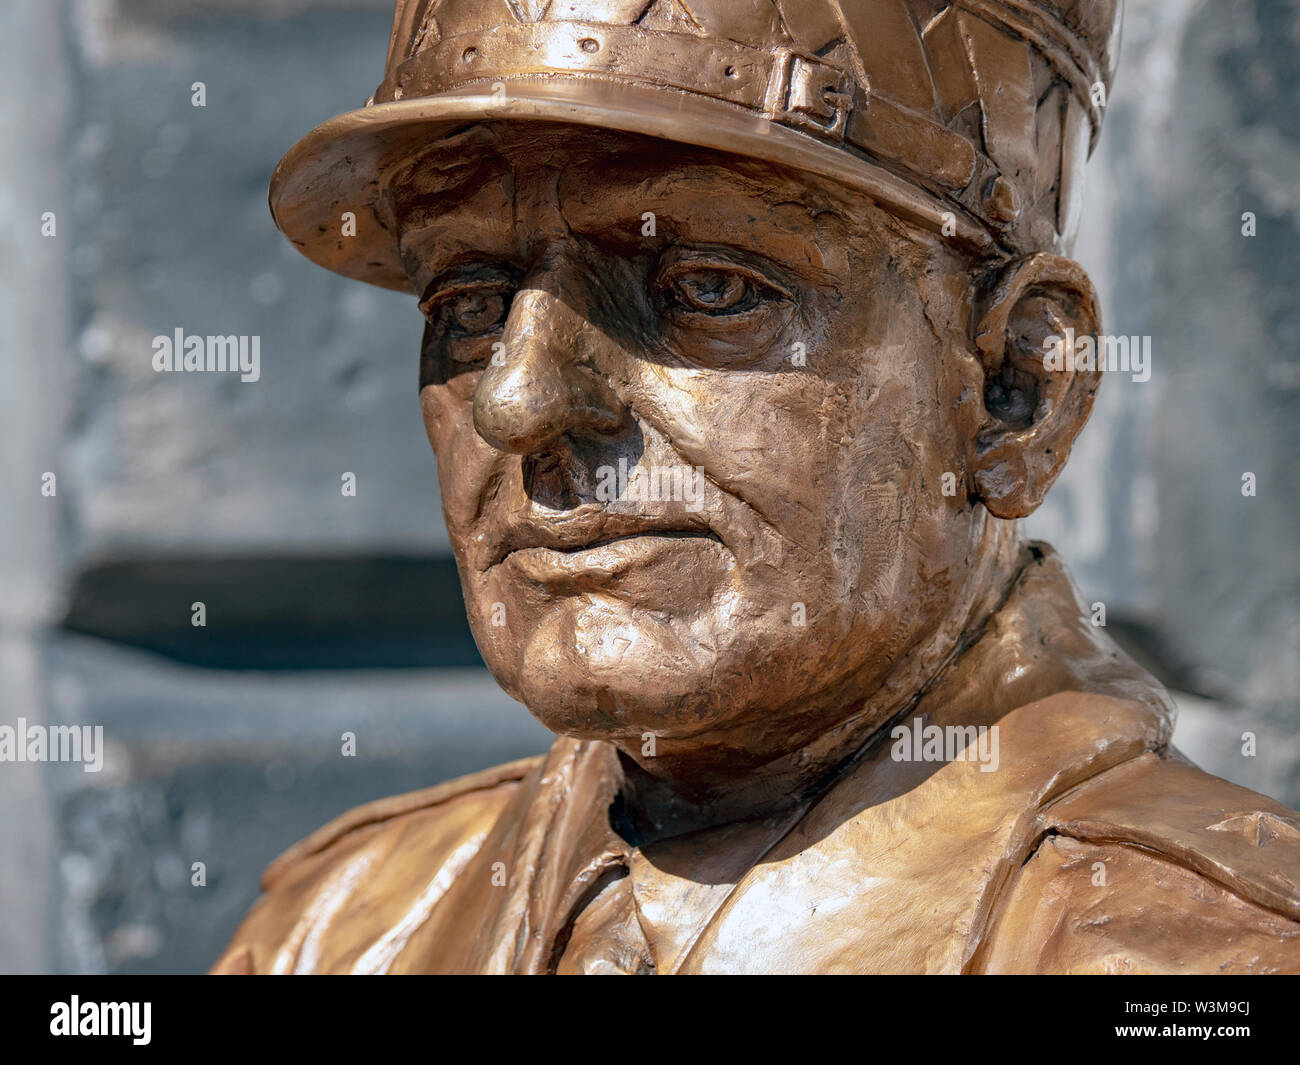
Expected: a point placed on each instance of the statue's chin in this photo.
(594, 667)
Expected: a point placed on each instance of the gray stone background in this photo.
(330, 614)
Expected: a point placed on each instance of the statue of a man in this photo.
(735, 372)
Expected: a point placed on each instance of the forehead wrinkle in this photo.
(443, 230)
(455, 223)
(537, 214)
(756, 223)
(442, 173)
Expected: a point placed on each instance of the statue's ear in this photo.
(1035, 401)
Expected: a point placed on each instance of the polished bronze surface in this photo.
(734, 371)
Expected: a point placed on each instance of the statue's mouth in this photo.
(606, 557)
(587, 529)
(667, 534)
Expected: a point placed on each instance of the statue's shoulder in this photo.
(336, 893)
(486, 789)
(1154, 866)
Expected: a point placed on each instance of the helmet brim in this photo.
(342, 165)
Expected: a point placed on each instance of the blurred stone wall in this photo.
(1202, 129)
(162, 222)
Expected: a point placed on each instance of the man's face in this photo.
(700, 490)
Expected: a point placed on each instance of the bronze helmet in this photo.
(969, 117)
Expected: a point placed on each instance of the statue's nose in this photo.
(534, 391)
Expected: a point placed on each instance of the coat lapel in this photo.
(550, 848)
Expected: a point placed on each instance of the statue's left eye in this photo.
(714, 291)
(718, 291)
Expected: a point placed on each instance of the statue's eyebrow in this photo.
(419, 206)
(432, 250)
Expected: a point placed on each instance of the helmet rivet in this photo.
(469, 55)
(589, 44)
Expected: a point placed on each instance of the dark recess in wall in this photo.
(281, 613)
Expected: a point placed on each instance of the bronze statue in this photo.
(734, 372)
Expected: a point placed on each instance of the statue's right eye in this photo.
(473, 313)
(470, 309)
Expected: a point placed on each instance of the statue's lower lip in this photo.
(603, 557)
